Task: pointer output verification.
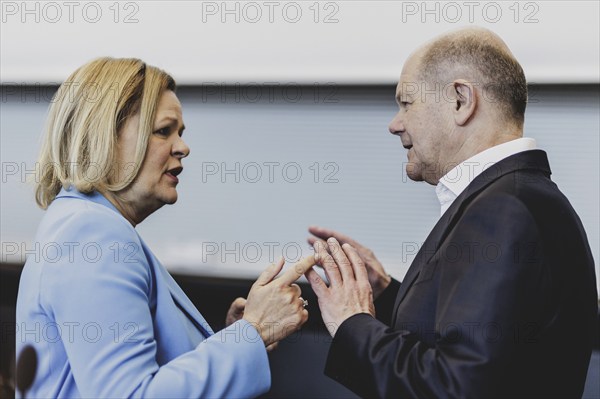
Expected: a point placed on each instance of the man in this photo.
(501, 299)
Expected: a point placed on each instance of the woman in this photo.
(105, 317)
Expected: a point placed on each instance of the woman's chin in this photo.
(170, 200)
(169, 197)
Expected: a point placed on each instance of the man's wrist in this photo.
(384, 282)
(333, 327)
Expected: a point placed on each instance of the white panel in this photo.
(287, 41)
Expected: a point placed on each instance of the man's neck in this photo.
(473, 145)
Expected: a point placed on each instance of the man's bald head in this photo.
(479, 56)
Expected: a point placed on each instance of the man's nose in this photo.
(396, 126)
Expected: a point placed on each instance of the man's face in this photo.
(422, 122)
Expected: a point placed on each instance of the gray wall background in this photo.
(250, 186)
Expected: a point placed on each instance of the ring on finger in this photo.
(304, 302)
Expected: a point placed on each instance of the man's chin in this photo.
(414, 172)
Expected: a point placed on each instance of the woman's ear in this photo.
(466, 101)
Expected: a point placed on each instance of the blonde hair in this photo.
(79, 147)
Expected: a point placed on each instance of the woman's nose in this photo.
(181, 149)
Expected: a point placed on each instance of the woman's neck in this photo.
(134, 214)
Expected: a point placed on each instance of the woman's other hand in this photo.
(236, 311)
(274, 305)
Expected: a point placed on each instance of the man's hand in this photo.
(274, 305)
(378, 278)
(349, 292)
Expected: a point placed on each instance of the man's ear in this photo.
(465, 101)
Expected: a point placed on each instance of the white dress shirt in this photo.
(458, 178)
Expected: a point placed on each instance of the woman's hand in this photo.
(274, 305)
(236, 312)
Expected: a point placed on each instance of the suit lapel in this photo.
(425, 253)
(526, 160)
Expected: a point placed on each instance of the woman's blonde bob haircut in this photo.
(89, 109)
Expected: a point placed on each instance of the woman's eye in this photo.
(162, 132)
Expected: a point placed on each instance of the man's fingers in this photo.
(313, 241)
(270, 272)
(357, 264)
(321, 232)
(316, 282)
(342, 261)
(325, 233)
(295, 272)
(326, 261)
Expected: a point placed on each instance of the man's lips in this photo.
(408, 147)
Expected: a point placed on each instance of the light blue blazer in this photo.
(107, 319)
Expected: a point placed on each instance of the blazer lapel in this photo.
(526, 160)
(180, 299)
(184, 303)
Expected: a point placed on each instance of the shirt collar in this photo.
(453, 183)
(94, 196)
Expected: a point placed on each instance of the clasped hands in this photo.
(275, 306)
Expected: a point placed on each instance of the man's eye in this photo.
(162, 132)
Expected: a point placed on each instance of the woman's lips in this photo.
(172, 177)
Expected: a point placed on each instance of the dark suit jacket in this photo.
(500, 301)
